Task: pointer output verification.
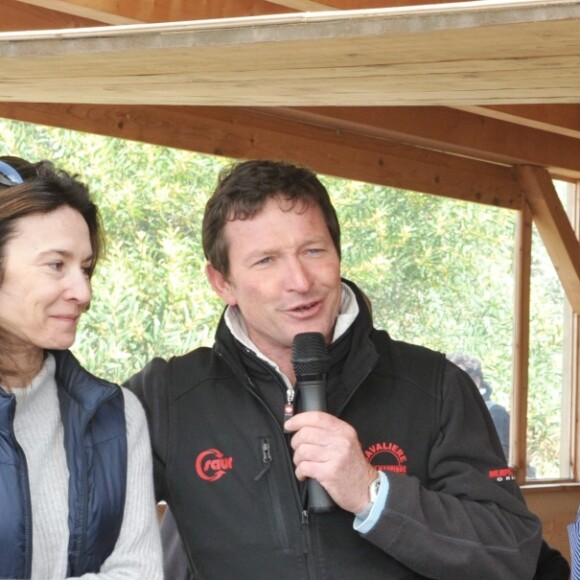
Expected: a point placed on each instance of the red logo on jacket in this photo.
(387, 457)
(212, 464)
(502, 474)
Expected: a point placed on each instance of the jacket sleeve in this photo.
(469, 519)
(149, 385)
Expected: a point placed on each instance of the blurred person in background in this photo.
(501, 418)
(551, 564)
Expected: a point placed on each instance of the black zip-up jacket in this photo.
(95, 442)
(224, 466)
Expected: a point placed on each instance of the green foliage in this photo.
(438, 272)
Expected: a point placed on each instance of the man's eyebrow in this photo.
(258, 255)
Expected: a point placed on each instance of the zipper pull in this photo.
(289, 406)
(266, 459)
(266, 455)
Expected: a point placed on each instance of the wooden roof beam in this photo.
(563, 119)
(21, 16)
(554, 228)
(135, 11)
(152, 11)
(63, 14)
(98, 11)
(247, 133)
(484, 137)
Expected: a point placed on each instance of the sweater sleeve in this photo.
(137, 554)
(470, 514)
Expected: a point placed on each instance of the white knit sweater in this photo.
(39, 431)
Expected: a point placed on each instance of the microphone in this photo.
(310, 361)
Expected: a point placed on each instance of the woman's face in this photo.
(46, 283)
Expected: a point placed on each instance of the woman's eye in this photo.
(56, 266)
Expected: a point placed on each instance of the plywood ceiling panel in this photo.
(457, 54)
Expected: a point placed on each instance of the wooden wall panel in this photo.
(556, 507)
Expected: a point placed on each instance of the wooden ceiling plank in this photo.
(241, 133)
(554, 228)
(385, 57)
(350, 24)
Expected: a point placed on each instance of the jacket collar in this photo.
(349, 310)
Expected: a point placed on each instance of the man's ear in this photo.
(220, 285)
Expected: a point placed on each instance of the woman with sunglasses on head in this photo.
(76, 496)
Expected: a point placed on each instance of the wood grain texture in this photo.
(459, 54)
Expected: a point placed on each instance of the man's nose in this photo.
(299, 275)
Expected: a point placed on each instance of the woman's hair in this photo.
(40, 188)
(45, 191)
(241, 193)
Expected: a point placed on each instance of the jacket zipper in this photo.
(289, 406)
(267, 458)
(305, 533)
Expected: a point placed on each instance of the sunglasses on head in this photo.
(14, 170)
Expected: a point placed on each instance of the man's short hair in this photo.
(242, 191)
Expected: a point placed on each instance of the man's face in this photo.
(284, 275)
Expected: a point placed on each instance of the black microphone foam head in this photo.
(310, 354)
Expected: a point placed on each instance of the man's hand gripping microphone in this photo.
(310, 360)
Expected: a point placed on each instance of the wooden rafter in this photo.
(240, 133)
(554, 228)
